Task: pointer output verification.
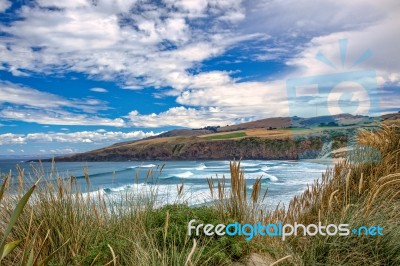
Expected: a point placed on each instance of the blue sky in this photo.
(78, 75)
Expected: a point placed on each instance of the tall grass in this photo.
(358, 192)
(61, 225)
(361, 190)
(232, 200)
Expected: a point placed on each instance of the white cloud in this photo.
(194, 8)
(74, 137)
(31, 105)
(185, 117)
(67, 30)
(57, 117)
(24, 96)
(226, 10)
(234, 99)
(63, 4)
(140, 44)
(10, 93)
(63, 151)
(99, 90)
(10, 138)
(4, 5)
(58, 151)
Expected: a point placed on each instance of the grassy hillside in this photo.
(225, 136)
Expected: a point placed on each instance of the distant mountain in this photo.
(271, 138)
(286, 122)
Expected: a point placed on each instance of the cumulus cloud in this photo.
(182, 116)
(241, 98)
(74, 137)
(10, 138)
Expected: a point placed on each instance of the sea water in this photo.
(282, 179)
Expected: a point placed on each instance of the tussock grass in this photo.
(361, 190)
(61, 225)
(232, 201)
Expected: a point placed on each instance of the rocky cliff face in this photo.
(192, 148)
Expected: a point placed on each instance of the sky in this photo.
(78, 75)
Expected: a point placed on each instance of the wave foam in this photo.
(272, 178)
(202, 166)
(265, 168)
(185, 174)
(165, 194)
(142, 166)
(246, 164)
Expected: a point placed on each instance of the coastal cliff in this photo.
(194, 148)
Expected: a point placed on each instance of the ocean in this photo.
(282, 179)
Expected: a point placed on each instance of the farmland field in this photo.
(226, 136)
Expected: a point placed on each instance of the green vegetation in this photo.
(58, 225)
(227, 136)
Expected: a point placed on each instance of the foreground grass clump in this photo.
(62, 226)
(362, 190)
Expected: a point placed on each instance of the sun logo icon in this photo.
(344, 91)
(343, 43)
(347, 91)
(347, 96)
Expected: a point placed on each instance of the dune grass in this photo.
(358, 191)
(60, 225)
